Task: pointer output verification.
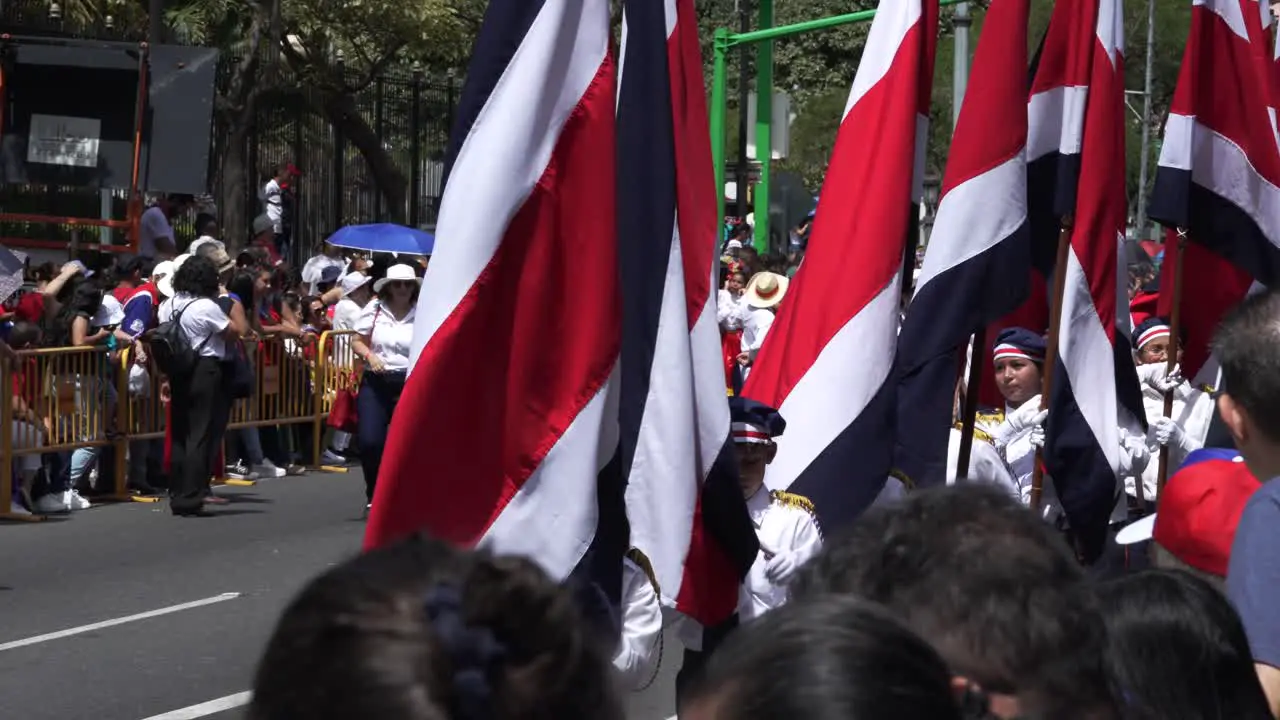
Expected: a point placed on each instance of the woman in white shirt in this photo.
(386, 335)
(201, 405)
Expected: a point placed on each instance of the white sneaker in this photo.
(240, 471)
(268, 469)
(75, 501)
(329, 457)
(16, 508)
(51, 504)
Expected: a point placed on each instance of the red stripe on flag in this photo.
(695, 179)
(531, 343)
(1217, 67)
(1210, 287)
(868, 178)
(1073, 27)
(1101, 200)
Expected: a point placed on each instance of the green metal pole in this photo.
(764, 126)
(782, 31)
(718, 99)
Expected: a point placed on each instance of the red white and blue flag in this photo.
(686, 510)
(978, 264)
(827, 361)
(506, 434)
(1219, 170)
(1076, 133)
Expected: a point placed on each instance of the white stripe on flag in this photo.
(507, 151)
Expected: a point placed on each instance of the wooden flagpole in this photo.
(1175, 326)
(969, 411)
(1051, 350)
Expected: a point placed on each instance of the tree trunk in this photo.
(341, 110)
(233, 189)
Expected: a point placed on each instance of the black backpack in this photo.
(170, 347)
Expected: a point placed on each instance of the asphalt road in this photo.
(124, 612)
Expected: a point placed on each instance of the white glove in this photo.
(1037, 437)
(1170, 433)
(1134, 455)
(1170, 381)
(1154, 376)
(1027, 416)
(781, 567)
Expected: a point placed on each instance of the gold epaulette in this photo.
(907, 483)
(995, 417)
(1206, 389)
(793, 500)
(978, 433)
(637, 557)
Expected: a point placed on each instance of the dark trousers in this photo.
(201, 410)
(695, 661)
(379, 393)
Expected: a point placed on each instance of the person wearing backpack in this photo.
(192, 347)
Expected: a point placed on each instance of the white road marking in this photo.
(222, 704)
(117, 621)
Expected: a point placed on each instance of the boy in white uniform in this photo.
(785, 526)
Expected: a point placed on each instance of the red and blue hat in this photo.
(1199, 509)
(1017, 342)
(753, 421)
(1149, 330)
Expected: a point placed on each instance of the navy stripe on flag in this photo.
(1082, 477)
(1217, 223)
(646, 207)
(505, 25)
(837, 480)
(947, 310)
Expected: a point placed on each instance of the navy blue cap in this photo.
(330, 273)
(753, 421)
(1019, 342)
(1153, 328)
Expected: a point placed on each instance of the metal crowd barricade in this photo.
(60, 400)
(64, 399)
(284, 371)
(337, 371)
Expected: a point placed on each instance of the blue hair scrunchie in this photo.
(473, 652)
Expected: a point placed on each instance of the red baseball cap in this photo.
(1198, 512)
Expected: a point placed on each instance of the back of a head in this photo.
(1176, 649)
(1247, 345)
(824, 657)
(992, 587)
(424, 631)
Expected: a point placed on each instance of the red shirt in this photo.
(30, 307)
(123, 293)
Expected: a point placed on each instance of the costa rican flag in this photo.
(826, 363)
(1219, 170)
(978, 263)
(1076, 134)
(687, 512)
(506, 434)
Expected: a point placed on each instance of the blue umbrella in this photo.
(384, 237)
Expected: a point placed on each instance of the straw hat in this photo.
(765, 290)
(165, 284)
(397, 272)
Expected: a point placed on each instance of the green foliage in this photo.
(817, 68)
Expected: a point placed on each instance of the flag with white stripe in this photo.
(1076, 133)
(1219, 169)
(826, 363)
(978, 263)
(686, 510)
(506, 433)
